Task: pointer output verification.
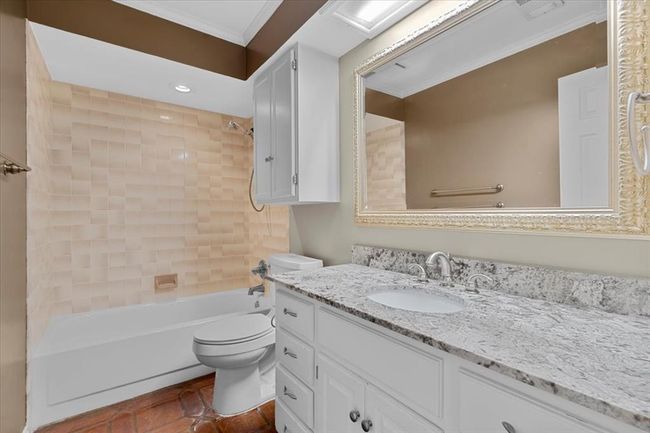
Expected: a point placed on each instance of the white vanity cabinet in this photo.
(341, 374)
(296, 154)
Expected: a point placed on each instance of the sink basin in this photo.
(417, 300)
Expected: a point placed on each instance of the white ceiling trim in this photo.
(222, 32)
(260, 19)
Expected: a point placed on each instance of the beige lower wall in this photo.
(13, 318)
(129, 188)
(328, 231)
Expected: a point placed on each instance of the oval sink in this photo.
(417, 300)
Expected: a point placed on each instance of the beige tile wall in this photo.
(386, 170)
(131, 188)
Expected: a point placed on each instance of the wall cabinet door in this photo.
(262, 137)
(283, 146)
(339, 399)
(389, 416)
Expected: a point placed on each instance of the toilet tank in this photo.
(281, 263)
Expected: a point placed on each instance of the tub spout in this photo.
(256, 289)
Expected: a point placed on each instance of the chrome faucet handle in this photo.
(472, 282)
(422, 273)
(261, 270)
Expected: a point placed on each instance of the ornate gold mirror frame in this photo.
(629, 213)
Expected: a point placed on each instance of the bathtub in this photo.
(85, 361)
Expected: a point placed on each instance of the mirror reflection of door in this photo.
(515, 96)
(584, 139)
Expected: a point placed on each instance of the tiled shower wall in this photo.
(386, 170)
(124, 189)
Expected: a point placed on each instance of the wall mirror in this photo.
(506, 115)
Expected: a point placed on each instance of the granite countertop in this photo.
(593, 358)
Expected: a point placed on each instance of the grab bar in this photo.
(467, 191)
(10, 166)
(641, 163)
(498, 205)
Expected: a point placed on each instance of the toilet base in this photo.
(242, 389)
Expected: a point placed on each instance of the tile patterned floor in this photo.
(182, 408)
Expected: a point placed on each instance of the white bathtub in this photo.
(85, 361)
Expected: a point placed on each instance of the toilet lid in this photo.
(234, 329)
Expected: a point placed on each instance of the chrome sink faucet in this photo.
(445, 266)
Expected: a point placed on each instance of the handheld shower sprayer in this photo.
(249, 132)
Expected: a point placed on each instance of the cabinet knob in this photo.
(366, 425)
(509, 428)
(268, 159)
(354, 415)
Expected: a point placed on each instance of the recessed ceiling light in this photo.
(165, 117)
(182, 88)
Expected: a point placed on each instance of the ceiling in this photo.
(498, 32)
(76, 59)
(236, 21)
(84, 61)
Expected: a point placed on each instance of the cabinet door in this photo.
(488, 407)
(262, 138)
(284, 128)
(389, 416)
(339, 395)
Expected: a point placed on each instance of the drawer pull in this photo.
(509, 428)
(290, 313)
(366, 425)
(290, 353)
(354, 415)
(291, 395)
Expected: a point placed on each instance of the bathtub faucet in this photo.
(256, 289)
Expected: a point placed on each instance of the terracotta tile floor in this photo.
(182, 408)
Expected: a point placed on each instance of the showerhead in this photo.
(234, 125)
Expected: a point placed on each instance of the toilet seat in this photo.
(234, 335)
(234, 329)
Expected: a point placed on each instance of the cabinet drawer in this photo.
(411, 376)
(285, 422)
(295, 356)
(295, 396)
(295, 315)
(486, 405)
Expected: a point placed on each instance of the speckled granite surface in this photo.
(593, 358)
(614, 294)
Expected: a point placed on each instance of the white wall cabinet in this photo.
(296, 129)
(347, 375)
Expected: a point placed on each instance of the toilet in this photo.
(241, 348)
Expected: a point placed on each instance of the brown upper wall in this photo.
(385, 105)
(284, 22)
(117, 24)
